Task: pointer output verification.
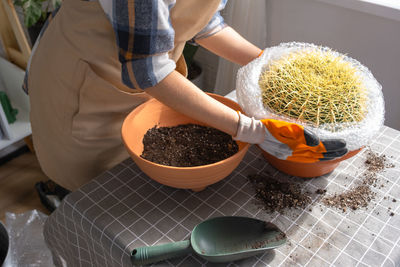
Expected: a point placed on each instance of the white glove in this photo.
(250, 130)
(288, 141)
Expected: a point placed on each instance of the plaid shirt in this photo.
(145, 61)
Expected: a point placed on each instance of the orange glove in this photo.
(288, 141)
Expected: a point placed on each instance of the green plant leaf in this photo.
(18, 3)
(58, 3)
(55, 3)
(188, 52)
(32, 12)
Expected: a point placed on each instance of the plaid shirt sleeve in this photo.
(216, 24)
(144, 35)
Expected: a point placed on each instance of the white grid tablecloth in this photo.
(101, 223)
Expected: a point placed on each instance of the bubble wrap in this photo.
(356, 134)
(27, 245)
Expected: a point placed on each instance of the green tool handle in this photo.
(149, 255)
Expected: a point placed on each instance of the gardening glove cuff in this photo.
(288, 141)
(250, 130)
(292, 142)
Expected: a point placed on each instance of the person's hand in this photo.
(288, 141)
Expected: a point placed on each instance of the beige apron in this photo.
(78, 102)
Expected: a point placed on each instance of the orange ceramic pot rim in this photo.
(152, 113)
(306, 170)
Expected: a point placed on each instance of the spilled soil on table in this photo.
(276, 196)
(362, 194)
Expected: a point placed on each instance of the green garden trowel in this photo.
(219, 239)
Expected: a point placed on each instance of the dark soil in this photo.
(194, 71)
(355, 198)
(187, 145)
(277, 196)
(361, 195)
(376, 163)
(320, 191)
(262, 243)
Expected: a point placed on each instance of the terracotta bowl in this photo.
(307, 170)
(197, 178)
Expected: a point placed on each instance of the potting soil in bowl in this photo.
(187, 145)
(154, 113)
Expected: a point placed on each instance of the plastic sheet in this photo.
(356, 135)
(27, 246)
(3, 243)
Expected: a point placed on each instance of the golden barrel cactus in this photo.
(314, 86)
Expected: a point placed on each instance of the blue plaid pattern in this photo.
(144, 36)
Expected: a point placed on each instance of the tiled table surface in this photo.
(100, 224)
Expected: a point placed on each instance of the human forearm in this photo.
(230, 45)
(180, 94)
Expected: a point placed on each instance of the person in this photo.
(97, 60)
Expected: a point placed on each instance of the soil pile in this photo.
(355, 198)
(361, 195)
(277, 196)
(376, 163)
(187, 145)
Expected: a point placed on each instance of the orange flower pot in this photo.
(306, 170)
(152, 113)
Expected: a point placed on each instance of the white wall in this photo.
(372, 40)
